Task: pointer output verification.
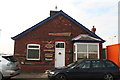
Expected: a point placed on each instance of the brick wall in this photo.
(57, 29)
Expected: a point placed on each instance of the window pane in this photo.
(92, 55)
(92, 48)
(33, 46)
(60, 45)
(81, 47)
(33, 54)
(82, 55)
(110, 64)
(97, 64)
(84, 64)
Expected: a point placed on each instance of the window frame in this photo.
(33, 49)
(113, 65)
(87, 53)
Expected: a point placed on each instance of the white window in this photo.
(33, 52)
(86, 50)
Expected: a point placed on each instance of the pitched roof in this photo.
(85, 38)
(51, 17)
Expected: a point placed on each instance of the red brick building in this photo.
(55, 42)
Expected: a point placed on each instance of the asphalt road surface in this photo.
(37, 79)
(28, 79)
(41, 79)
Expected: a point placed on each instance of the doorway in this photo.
(59, 54)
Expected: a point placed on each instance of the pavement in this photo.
(31, 75)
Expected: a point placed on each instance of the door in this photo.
(98, 69)
(59, 54)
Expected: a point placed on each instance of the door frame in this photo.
(56, 54)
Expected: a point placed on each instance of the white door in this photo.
(59, 54)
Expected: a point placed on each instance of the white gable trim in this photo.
(85, 35)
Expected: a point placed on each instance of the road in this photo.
(36, 79)
(28, 79)
(40, 79)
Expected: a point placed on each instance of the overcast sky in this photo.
(19, 15)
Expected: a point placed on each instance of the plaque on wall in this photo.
(48, 59)
(60, 34)
(29, 63)
(49, 55)
(48, 50)
(20, 55)
(49, 45)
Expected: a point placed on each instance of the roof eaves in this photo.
(87, 41)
